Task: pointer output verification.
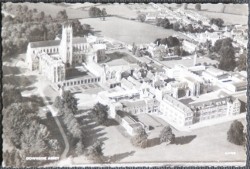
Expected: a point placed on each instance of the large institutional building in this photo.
(182, 95)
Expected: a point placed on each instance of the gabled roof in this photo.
(44, 43)
(79, 40)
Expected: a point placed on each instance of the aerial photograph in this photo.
(92, 84)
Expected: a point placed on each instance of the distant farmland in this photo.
(53, 8)
(128, 31)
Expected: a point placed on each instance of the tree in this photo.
(138, 53)
(69, 101)
(235, 133)
(11, 95)
(16, 117)
(217, 21)
(95, 12)
(35, 138)
(58, 103)
(95, 152)
(100, 113)
(242, 62)
(140, 138)
(198, 7)
(104, 13)
(227, 59)
(176, 26)
(163, 23)
(79, 148)
(134, 48)
(62, 15)
(167, 135)
(190, 28)
(173, 41)
(141, 17)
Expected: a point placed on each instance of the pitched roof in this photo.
(79, 40)
(44, 43)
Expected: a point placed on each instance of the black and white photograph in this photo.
(124, 84)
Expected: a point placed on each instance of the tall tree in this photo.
(198, 7)
(242, 62)
(235, 133)
(11, 94)
(167, 135)
(100, 113)
(104, 13)
(141, 17)
(140, 138)
(95, 152)
(227, 60)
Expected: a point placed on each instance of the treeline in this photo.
(29, 25)
(24, 131)
(67, 106)
(97, 12)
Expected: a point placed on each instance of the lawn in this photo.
(207, 144)
(120, 55)
(128, 31)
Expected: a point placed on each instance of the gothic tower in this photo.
(66, 44)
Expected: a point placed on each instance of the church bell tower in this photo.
(66, 48)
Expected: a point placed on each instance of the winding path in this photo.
(46, 101)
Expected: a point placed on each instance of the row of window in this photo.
(83, 81)
(48, 50)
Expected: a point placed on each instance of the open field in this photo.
(53, 8)
(228, 18)
(238, 9)
(128, 31)
(188, 61)
(112, 9)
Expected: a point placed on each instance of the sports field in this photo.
(128, 31)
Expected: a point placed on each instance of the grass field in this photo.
(233, 13)
(128, 31)
(207, 144)
(238, 9)
(53, 8)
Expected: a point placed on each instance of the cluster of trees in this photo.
(236, 133)
(66, 101)
(140, 139)
(242, 62)
(165, 23)
(217, 21)
(95, 152)
(26, 134)
(67, 105)
(97, 12)
(10, 95)
(100, 113)
(226, 51)
(32, 26)
(170, 41)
